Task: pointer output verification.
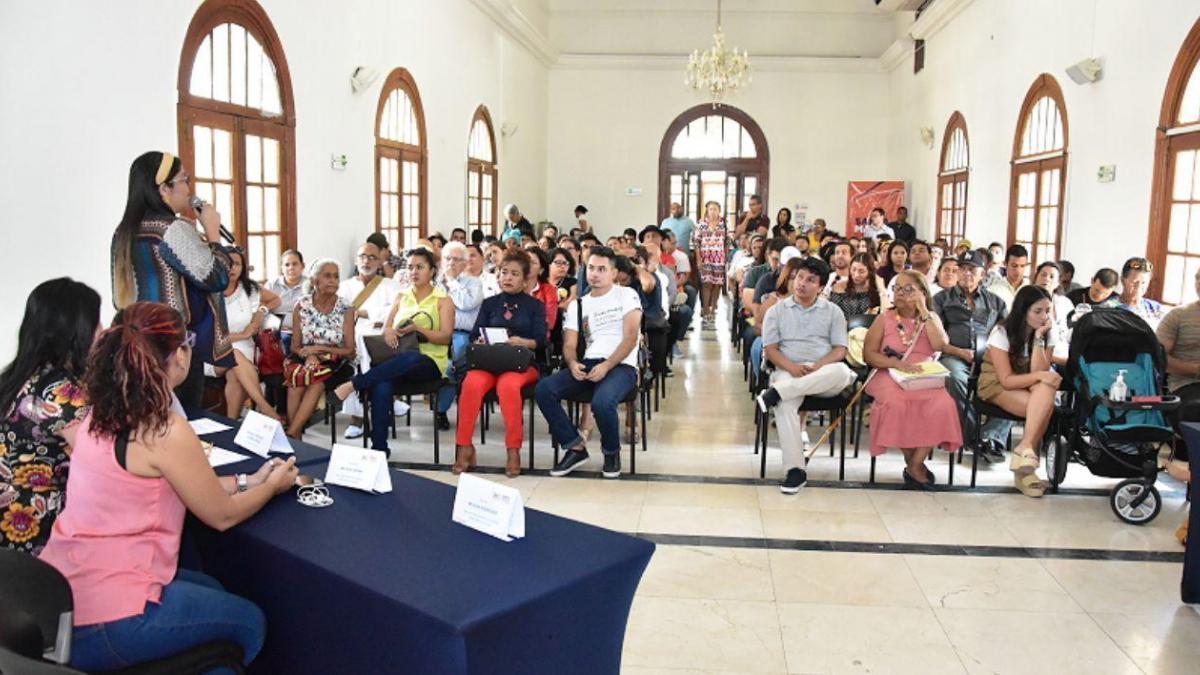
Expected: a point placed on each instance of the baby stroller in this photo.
(1116, 439)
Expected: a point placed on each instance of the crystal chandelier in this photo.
(718, 71)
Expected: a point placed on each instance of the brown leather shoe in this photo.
(513, 468)
(464, 459)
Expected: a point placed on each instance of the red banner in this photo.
(865, 195)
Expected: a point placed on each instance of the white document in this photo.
(495, 336)
(358, 468)
(203, 426)
(489, 507)
(262, 435)
(221, 457)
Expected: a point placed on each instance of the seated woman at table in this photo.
(322, 344)
(131, 483)
(524, 318)
(1017, 376)
(909, 328)
(246, 305)
(423, 309)
(43, 402)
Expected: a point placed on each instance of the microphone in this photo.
(197, 203)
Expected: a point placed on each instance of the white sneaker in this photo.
(400, 408)
(804, 440)
(353, 431)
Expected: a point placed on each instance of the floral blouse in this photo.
(321, 328)
(34, 459)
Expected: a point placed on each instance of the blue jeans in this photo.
(458, 351)
(607, 394)
(994, 429)
(380, 384)
(756, 350)
(193, 610)
(692, 296)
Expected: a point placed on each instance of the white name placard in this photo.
(489, 507)
(262, 435)
(358, 468)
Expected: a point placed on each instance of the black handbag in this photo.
(380, 351)
(498, 359)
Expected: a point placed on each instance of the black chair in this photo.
(35, 595)
(409, 390)
(493, 398)
(636, 394)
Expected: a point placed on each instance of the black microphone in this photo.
(197, 203)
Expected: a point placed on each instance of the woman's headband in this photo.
(164, 168)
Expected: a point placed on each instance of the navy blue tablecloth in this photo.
(389, 584)
(306, 454)
(1190, 586)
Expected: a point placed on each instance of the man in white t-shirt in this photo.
(370, 311)
(612, 318)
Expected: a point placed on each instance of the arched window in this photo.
(1174, 243)
(400, 162)
(1039, 172)
(237, 124)
(952, 181)
(481, 174)
(712, 155)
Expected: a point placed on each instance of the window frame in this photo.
(1170, 139)
(401, 78)
(953, 178)
(241, 120)
(1043, 86)
(481, 168)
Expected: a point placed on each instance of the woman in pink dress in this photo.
(711, 242)
(915, 421)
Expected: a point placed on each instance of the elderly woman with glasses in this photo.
(1135, 279)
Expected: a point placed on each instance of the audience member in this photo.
(1067, 282)
(996, 254)
(804, 336)
(816, 234)
(877, 225)
(370, 298)
(681, 226)
(117, 540)
(1179, 333)
(968, 313)
(754, 219)
(426, 310)
(711, 241)
(920, 259)
(458, 234)
(562, 275)
(515, 224)
(947, 275)
(900, 339)
(159, 257)
(1006, 285)
(323, 344)
(571, 246)
(438, 242)
(538, 285)
(289, 285)
(1135, 279)
(782, 289)
(770, 264)
(466, 293)
(1047, 276)
(963, 246)
(581, 218)
(477, 269)
(937, 253)
(246, 305)
(1101, 293)
(43, 402)
(861, 292)
(390, 265)
(840, 255)
(901, 228)
(611, 319)
(895, 261)
(551, 231)
(1017, 375)
(783, 220)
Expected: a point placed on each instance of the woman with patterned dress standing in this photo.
(711, 243)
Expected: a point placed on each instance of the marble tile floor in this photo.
(849, 577)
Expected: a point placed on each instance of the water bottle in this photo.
(1118, 390)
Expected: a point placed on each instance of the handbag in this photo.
(498, 359)
(270, 353)
(380, 351)
(297, 373)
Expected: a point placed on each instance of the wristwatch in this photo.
(243, 482)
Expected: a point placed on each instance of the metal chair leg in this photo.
(950, 480)
(532, 405)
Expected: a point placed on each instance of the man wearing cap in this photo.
(515, 224)
(969, 313)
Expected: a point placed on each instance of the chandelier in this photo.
(718, 71)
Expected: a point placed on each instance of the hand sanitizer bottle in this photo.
(1118, 390)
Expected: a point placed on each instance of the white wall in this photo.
(605, 127)
(86, 87)
(984, 62)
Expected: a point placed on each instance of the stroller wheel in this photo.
(1125, 501)
(1058, 454)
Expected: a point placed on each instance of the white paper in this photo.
(262, 435)
(203, 425)
(495, 336)
(221, 457)
(489, 507)
(358, 468)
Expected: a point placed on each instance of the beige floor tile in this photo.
(1162, 642)
(1119, 586)
(704, 634)
(701, 520)
(843, 638)
(618, 517)
(708, 572)
(830, 577)
(825, 525)
(1112, 534)
(597, 490)
(702, 494)
(946, 529)
(960, 582)
(831, 500)
(991, 641)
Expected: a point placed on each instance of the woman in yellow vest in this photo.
(424, 310)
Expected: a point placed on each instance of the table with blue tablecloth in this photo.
(389, 584)
(305, 453)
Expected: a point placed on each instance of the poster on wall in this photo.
(864, 195)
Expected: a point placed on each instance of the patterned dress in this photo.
(711, 245)
(34, 459)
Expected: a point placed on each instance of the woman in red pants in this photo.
(524, 317)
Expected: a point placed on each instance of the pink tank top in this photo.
(117, 540)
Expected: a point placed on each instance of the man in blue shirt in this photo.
(681, 226)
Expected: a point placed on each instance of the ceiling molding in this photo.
(896, 54)
(514, 23)
(936, 17)
(763, 64)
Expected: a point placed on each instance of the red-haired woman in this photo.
(136, 469)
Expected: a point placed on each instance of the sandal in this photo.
(1181, 533)
(1024, 461)
(1029, 484)
(464, 459)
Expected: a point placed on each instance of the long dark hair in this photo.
(1015, 325)
(249, 285)
(866, 260)
(126, 379)
(59, 324)
(143, 201)
(570, 260)
(544, 261)
(781, 212)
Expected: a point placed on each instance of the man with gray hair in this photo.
(515, 224)
(466, 292)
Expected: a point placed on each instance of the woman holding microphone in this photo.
(158, 256)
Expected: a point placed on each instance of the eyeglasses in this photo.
(187, 180)
(560, 262)
(189, 340)
(905, 290)
(1140, 264)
